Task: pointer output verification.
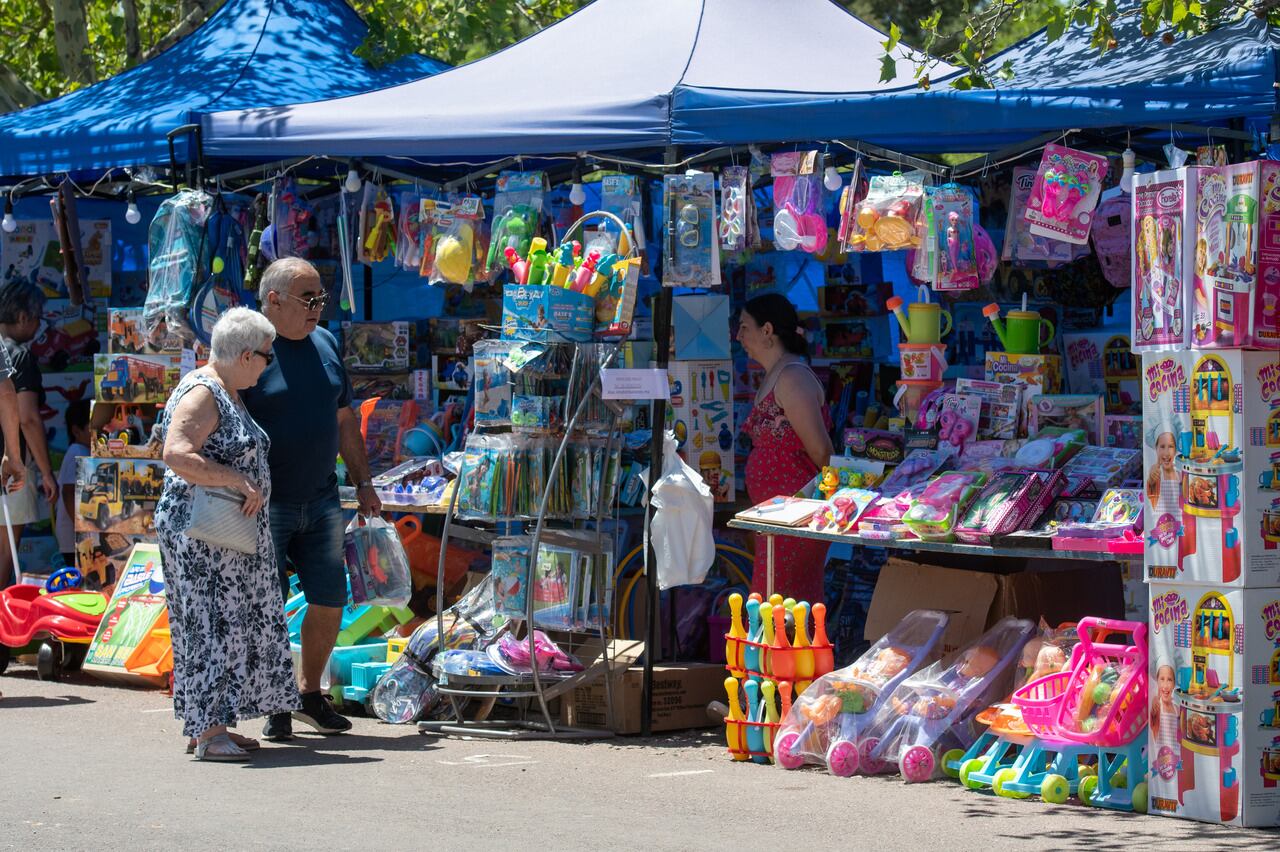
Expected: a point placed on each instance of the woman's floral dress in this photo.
(231, 656)
(779, 466)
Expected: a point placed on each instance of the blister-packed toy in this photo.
(738, 228)
(798, 220)
(928, 718)
(953, 222)
(377, 563)
(456, 241)
(842, 510)
(517, 213)
(890, 217)
(690, 257)
(824, 724)
(1065, 193)
(934, 513)
(1025, 249)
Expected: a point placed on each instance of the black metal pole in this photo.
(368, 292)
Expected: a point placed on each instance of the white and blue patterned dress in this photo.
(231, 656)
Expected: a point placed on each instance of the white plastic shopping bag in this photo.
(682, 520)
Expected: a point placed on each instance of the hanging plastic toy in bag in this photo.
(683, 515)
(798, 220)
(517, 213)
(889, 218)
(738, 229)
(1068, 185)
(379, 228)
(952, 211)
(850, 201)
(179, 260)
(409, 231)
(292, 220)
(426, 237)
(456, 241)
(376, 563)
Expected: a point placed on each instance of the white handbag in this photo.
(218, 519)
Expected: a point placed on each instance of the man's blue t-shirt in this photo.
(296, 403)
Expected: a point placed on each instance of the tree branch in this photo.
(132, 44)
(14, 92)
(183, 28)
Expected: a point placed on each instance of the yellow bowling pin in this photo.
(766, 635)
(775, 599)
(733, 643)
(735, 734)
(770, 713)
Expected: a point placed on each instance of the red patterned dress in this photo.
(779, 466)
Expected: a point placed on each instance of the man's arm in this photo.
(33, 430)
(12, 470)
(351, 446)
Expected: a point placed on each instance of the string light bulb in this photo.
(1129, 159)
(831, 179)
(131, 213)
(353, 182)
(9, 224)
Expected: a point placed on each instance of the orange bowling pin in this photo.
(782, 658)
(824, 660)
(785, 688)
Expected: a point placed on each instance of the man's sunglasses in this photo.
(313, 303)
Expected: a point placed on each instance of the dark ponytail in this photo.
(778, 311)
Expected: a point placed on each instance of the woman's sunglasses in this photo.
(266, 356)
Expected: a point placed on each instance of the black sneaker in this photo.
(317, 713)
(279, 727)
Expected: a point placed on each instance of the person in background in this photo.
(231, 657)
(65, 526)
(303, 401)
(21, 308)
(790, 428)
(12, 471)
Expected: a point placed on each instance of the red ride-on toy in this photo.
(57, 621)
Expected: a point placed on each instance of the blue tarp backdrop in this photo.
(249, 53)
(701, 73)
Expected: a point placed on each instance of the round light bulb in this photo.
(577, 195)
(831, 179)
(1129, 159)
(9, 224)
(131, 214)
(353, 182)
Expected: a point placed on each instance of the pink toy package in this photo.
(1163, 257)
(1110, 236)
(1068, 185)
(1266, 293)
(1024, 248)
(1226, 252)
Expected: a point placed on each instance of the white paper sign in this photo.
(634, 384)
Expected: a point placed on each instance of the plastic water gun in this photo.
(514, 229)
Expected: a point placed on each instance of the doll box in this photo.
(1164, 207)
(1211, 467)
(531, 312)
(1214, 732)
(701, 415)
(1266, 290)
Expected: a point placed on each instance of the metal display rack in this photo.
(537, 686)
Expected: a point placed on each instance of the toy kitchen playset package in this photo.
(1214, 732)
(1211, 462)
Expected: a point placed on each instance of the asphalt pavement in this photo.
(88, 765)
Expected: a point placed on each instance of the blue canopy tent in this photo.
(249, 53)
(610, 77)
(695, 73)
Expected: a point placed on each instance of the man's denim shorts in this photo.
(310, 536)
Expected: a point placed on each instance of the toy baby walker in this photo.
(1211, 466)
(1208, 703)
(57, 620)
(932, 710)
(823, 725)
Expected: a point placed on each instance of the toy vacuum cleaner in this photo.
(1208, 704)
(1211, 467)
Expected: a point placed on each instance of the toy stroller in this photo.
(824, 723)
(934, 709)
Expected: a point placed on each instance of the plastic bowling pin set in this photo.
(771, 657)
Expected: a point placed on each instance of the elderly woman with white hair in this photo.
(231, 656)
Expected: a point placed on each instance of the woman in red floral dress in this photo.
(790, 431)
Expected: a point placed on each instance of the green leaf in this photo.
(1006, 71)
(888, 68)
(1056, 26)
(895, 36)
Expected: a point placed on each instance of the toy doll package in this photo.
(1065, 194)
(1162, 259)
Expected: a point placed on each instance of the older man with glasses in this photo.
(303, 402)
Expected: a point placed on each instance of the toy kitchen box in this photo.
(1038, 374)
(701, 416)
(1211, 467)
(1214, 704)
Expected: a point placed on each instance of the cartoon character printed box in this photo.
(1036, 373)
(1211, 467)
(701, 415)
(375, 347)
(1214, 704)
(1266, 291)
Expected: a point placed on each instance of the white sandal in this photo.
(220, 748)
(246, 743)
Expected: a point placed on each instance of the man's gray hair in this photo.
(280, 274)
(238, 331)
(19, 298)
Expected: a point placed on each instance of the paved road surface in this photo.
(92, 766)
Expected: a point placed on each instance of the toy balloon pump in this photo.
(587, 271)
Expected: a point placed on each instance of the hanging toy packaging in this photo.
(798, 220)
(738, 228)
(377, 225)
(517, 212)
(690, 258)
(1163, 258)
(1065, 193)
(455, 241)
(952, 210)
(1024, 248)
(890, 217)
(377, 563)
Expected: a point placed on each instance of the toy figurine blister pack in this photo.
(738, 227)
(690, 256)
(1025, 249)
(377, 563)
(1163, 259)
(517, 213)
(936, 509)
(457, 241)
(953, 223)
(890, 217)
(798, 220)
(1065, 193)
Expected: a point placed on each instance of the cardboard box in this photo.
(375, 347)
(681, 693)
(533, 312)
(1226, 266)
(1104, 364)
(1266, 292)
(976, 600)
(137, 606)
(135, 378)
(1214, 742)
(1211, 517)
(701, 415)
(1036, 373)
(1164, 257)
